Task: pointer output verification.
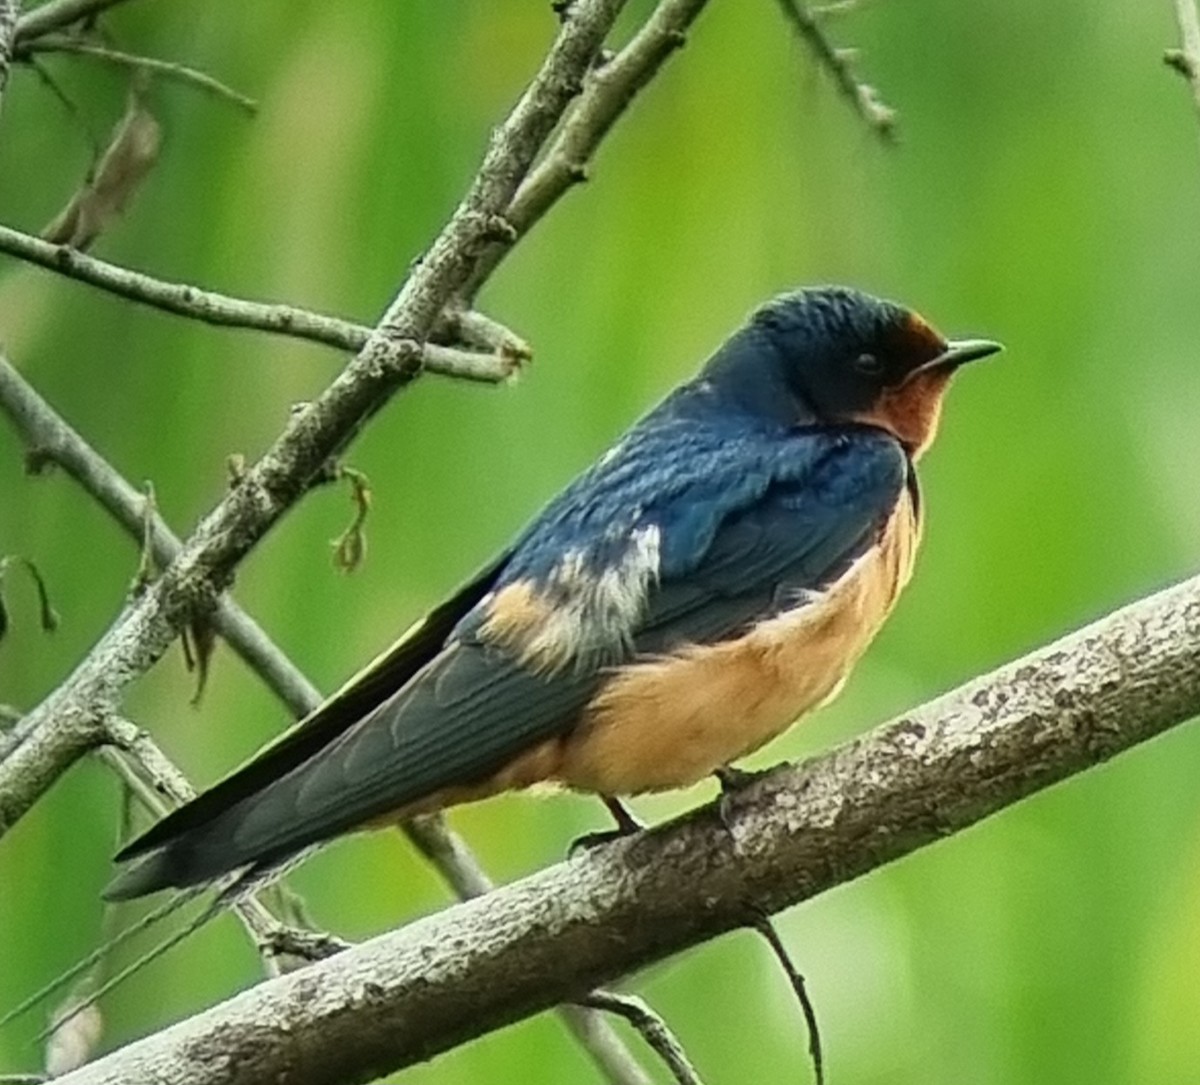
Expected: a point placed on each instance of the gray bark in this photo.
(412, 993)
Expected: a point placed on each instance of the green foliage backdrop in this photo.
(1046, 192)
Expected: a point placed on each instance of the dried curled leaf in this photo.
(350, 547)
(38, 461)
(47, 614)
(199, 640)
(125, 164)
(146, 564)
(48, 617)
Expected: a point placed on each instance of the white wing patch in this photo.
(577, 614)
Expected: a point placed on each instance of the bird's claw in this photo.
(302, 945)
(588, 841)
(732, 781)
(627, 825)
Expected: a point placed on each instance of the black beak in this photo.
(960, 351)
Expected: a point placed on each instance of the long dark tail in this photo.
(459, 721)
(206, 837)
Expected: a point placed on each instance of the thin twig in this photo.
(1186, 59)
(652, 1028)
(761, 922)
(607, 92)
(838, 63)
(9, 14)
(222, 310)
(168, 69)
(58, 15)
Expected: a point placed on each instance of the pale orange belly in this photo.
(668, 722)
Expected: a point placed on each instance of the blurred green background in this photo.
(1046, 192)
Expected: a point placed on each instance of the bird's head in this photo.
(846, 356)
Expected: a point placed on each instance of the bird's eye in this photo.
(871, 364)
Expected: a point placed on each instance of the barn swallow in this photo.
(713, 576)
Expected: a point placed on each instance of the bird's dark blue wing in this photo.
(685, 535)
(799, 536)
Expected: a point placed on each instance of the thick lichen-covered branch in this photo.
(797, 832)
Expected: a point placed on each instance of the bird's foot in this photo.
(627, 825)
(293, 947)
(732, 781)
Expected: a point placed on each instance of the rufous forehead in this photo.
(921, 336)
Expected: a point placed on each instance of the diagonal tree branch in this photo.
(797, 832)
(607, 92)
(69, 722)
(8, 35)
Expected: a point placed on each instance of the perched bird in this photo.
(711, 577)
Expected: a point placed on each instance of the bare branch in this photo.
(653, 1030)
(168, 69)
(507, 350)
(839, 63)
(56, 733)
(59, 14)
(797, 832)
(8, 33)
(608, 91)
(762, 923)
(1186, 60)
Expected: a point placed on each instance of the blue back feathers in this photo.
(705, 512)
